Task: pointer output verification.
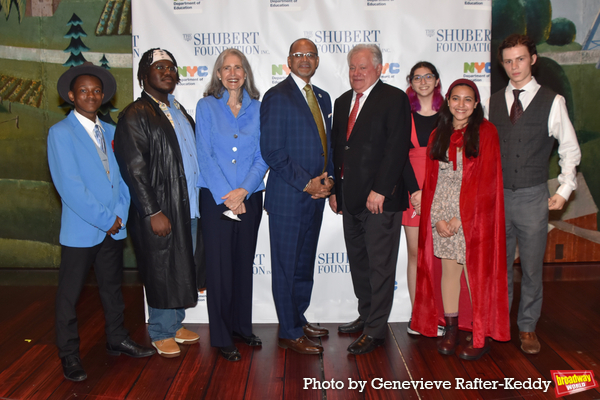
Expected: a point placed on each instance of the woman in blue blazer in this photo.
(231, 178)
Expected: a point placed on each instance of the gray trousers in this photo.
(527, 224)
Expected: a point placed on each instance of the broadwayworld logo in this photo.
(569, 381)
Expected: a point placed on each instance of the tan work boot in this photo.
(167, 348)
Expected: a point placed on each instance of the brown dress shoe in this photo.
(311, 330)
(529, 342)
(473, 353)
(447, 344)
(302, 345)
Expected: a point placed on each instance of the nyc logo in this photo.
(479, 67)
(190, 72)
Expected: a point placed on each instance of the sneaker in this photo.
(440, 330)
(167, 348)
(410, 331)
(185, 336)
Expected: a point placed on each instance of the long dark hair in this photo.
(444, 129)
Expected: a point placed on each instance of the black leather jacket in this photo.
(148, 154)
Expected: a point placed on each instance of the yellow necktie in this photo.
(316, 112)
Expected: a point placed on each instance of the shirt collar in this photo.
(162, 105)
(366, 92)
(245, 99)
(531, 86)
(299, 81)
(87, 124)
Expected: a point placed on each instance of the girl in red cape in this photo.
(462, 222)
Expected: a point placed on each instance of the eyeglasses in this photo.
(162, 68)
(310, 56)
(426, 78)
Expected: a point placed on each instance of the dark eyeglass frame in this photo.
(162, 68)
(310, 55)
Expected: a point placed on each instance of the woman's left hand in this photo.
(240, 210)
(235, 198)
(454, 225)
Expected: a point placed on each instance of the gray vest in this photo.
(525, 146)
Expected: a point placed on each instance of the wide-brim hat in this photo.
(108, 81)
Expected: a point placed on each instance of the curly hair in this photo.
(146, 63)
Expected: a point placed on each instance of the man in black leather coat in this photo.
(156, 151)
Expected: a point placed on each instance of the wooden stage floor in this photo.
(569, 331)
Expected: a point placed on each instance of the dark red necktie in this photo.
(353, 114)
(517, 108)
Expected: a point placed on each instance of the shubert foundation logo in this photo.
(569, 381)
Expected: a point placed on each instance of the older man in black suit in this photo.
(371, 136)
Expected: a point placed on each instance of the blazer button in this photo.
(518, 156)
(235, 149)
(233, 161)
(235, 136)
(347, 148)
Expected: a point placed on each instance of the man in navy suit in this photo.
(95, 203)
(295, 142)
(371, 137)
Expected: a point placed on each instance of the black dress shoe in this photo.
(72, 369)
(352, 327)
(364, 344)
(129, 348)
(251, 340)
(230, 353)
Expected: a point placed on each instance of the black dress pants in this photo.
(75, 264)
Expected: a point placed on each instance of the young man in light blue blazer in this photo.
(95, 204)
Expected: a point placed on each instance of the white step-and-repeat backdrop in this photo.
(452, 34)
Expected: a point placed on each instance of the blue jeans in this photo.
(163, 323)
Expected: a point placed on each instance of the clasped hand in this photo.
(319, 187)
(448, 229)
(116, 226)
(234, 200)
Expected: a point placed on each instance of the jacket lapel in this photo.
(365, 112)
(167, 128)
(85, 142)
(301, 104)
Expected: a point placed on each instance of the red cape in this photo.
(482, 215)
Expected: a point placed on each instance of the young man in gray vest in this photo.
(529, 117)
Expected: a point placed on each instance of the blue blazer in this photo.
(221, 139)
(91, 200)
(290, 144)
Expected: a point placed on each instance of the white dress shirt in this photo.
(362, 100)
(559, 126)
(89, 125)
(300, 82)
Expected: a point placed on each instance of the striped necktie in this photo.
(100, 138)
